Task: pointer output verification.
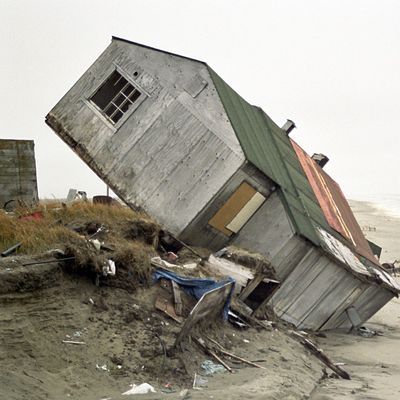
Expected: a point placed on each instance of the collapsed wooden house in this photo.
(169, 136)
(18, 183)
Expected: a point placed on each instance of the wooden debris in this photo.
(210, 352)
(11, 250)
(325, 359)
(177, 298)
(209, 306)
(164, 305)
(335, 367)
(252, 321)
(234, 356)
(72, 342)
(188, 247)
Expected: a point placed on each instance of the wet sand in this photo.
(374, 363)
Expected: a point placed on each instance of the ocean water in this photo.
(388, 203)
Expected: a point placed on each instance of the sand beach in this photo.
(374, 363)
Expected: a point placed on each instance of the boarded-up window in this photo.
(237, 210)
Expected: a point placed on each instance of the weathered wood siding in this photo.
(17, 172)
(200, 233)
(270, 233)
(317, 292)
(370, 301)
(173, 153)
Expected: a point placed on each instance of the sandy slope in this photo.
(121, 328)
(374, 363)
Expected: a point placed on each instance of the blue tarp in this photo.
(196, 287)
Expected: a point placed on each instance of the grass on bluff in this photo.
(53, 230)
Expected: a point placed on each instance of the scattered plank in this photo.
(168, 308)
(234, 356)
(187, 247)
(252, 321)
(335, 367)
(177, 298)
(325, 359)
(11, 250)
(72, 342)
(210, 352)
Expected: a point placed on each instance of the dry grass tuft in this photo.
(53, 230)
(132, 260)
(254, 261)
(130, 238)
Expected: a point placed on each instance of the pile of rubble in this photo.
(185, 294)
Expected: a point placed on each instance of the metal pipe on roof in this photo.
(320, 159)
(288, 126)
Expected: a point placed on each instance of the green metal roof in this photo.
(268, 147)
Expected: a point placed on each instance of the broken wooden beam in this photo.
(325, 359)
(177, 298)
(234, 356)
(72, 342)
(210, 352)
(322, 356)
(163, 304)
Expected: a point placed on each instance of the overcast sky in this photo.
(331, 66)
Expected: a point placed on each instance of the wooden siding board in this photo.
(268, 230)
(121, 144)
(195, 182)
(335, 320)
(199, 232)
(289, 256)
(160, 151)
(336, 287)
(296, 283)
(126, 157)
(372, 300)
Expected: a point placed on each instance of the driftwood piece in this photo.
(234, 356)
(322, 356)
(325, 359)
(210, 352)
(177, 298)
(72, 342)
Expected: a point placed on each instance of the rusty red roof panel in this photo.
(334, 205)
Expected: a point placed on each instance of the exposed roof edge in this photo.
(155, 49)
(346, 257)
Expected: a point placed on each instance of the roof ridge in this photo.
(156, 49)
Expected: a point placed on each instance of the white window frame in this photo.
(99, 112)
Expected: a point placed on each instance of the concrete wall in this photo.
(17, 172)
(173, 153)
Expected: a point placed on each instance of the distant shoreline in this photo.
(380, 226)
(389, 204)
